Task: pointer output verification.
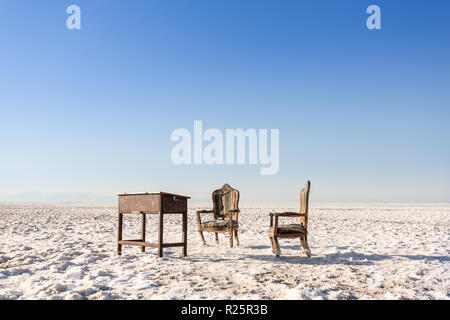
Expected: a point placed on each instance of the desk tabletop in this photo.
(151, 193)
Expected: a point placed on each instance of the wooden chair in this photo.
(292, 230)
(226, 214)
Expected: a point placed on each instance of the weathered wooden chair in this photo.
(226, 214)
(292, 230)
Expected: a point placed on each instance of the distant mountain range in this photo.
(36, 196)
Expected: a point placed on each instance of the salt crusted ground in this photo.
(358, 252)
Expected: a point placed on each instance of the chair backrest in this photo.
(304, 203)
(224, 200)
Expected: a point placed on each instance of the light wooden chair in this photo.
(226, 214)
(299, 230)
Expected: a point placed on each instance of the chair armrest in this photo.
(204, 211)
(232, 212)
(281, 214)
(288, 214)
(199, 220)
(275, 226)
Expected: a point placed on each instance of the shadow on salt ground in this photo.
(209, 259)
(347, 258)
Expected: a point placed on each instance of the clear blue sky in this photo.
(364, 114)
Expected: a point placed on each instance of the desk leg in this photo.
(119, 234)
(143, 231)
(160, 234)
(184, 234)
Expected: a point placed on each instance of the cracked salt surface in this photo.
(375, 251)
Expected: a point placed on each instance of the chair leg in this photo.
(201, 236)
(119, 234)
(236, 236)
(305, 246)
(217, 238)
(277, 247)
(231, 238)
(272, 244)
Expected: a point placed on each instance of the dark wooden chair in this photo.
(226, 214)
(299, 230)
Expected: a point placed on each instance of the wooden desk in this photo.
(160, 203)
